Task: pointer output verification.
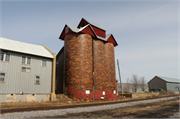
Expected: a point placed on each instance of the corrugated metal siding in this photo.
(171, 86)
(17, 81)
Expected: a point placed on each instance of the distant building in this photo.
(164, 83)
(129, 87)
(26, 71)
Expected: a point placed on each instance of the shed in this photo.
(164, 83)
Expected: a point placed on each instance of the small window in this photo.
(23, 60)
(2, 56)
(44, 63)
(37, 81)
(26, 60)
(23, 69)
(2, 76)
(26, 69)
(7, 57)
(66, 30)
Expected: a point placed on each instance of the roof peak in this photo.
(94, 24)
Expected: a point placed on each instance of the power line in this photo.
(127, 68)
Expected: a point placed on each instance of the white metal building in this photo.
(25, 71)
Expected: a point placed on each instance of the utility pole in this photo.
(120, 78)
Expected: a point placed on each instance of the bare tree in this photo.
(142, 83)
(135, 82)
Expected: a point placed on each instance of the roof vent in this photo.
(83, 24)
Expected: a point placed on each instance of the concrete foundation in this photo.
(24, 98)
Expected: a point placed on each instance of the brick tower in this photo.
(88, 69)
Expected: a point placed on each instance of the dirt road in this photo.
(160, 109)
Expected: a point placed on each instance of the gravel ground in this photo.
(58, 112)
(175, 115)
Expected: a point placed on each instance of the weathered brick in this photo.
(78, 66)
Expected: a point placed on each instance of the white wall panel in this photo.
(17, 81)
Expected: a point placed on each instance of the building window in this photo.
(2, 76)
(23, 60)
(23, 69)
(26, 69)
(37, 80)
(44, 63)
(66, 30)
(2, 56)
(26, 60)
(5, 57)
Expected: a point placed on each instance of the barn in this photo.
(86, 65)
(164, 83)
(27, 72)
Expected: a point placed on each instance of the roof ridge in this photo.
(94, 24)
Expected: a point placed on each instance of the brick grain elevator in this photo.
(86, 64)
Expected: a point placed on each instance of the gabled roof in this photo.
(173, 80)
(107, 39)
(75, 30)
(107, 36)
(110, 38)
(79, 30)
(22, 47)
(92, 23)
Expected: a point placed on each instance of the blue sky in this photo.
(147, 31)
